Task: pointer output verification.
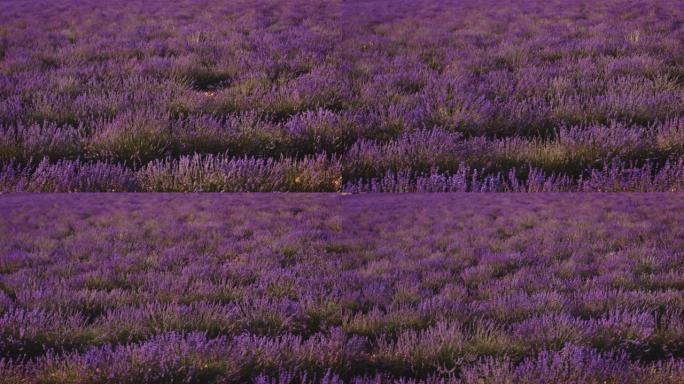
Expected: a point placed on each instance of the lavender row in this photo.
(613, 177)
(322, 174)
(140, 137)
(571, 151)
(187, 174)
(143, 138)
(126, 288)
(193, 358)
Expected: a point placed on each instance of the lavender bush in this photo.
(391, 92)
(316, 288)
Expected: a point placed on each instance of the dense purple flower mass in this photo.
(354, 95)
(327, 288)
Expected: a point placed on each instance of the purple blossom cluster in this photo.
(384, 89)
(329, 288)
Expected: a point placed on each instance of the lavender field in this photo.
(279, 288)
(353, 95)
(582, 97)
